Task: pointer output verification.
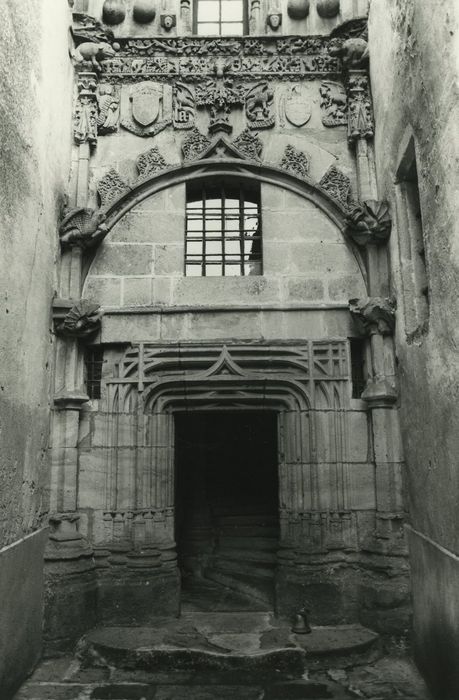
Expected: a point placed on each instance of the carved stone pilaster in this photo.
(369, 223)
(374, 315)
(360, 109)
(86, 110)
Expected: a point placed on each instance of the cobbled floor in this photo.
(390, 678)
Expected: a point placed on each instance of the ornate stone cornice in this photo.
(369, 223)
(374, 315)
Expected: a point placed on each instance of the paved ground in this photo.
(390, 678)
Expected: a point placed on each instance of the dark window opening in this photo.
(357, 346)
(223, 229)
(220, 17)
(94, 359)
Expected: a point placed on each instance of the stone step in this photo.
(247, 585)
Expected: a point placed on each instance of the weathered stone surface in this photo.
(113, 259)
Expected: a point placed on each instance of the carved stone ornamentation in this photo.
(295, 107)
(81, 321)
(295, 161)
(274, 20)
(360, 115)
(148, 109)
(150, 162)
(82, 227)
(111, 186)
(333, 104)
(249, 144)
(195, 144)
(86, 110)
(219, 96)
(298, 9)
(369, 222)
(374, 315)
(259, 106)
(87, 28)
(353, 52)
(109, 109)
(168, 21)
(92, 53)
(183, 106)
(337, 185)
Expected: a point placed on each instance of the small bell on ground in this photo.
(301, 624)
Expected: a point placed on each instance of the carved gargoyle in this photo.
(81, 321)
(82, 227)
(353, 52)
(93, 53)
(369, 222)
(374, 315)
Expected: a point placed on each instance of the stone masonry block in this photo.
(104, 291)
(169, 260)
(301, 289)
(117, 259)
(138, 328)
(345, 288)
(137, 291)
(226, 290)
(220, 326)
(149, 227)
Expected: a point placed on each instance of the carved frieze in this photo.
(259, 106)
(369, 222)
(333, 104)
(150, 162)
(111, 186)
(86, 110)
(183, 106)
(337, 185)
(295, 107)
(83, 320)
(109, 109)
(148, 109)
(295, 161)
(190, 59)
(249, 144)
(82, 226)
(360, 112)
(374, 315)
(194, 144)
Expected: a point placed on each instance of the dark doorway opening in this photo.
(227, 522)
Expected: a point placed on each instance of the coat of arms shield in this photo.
(146, 103)
(297, 107)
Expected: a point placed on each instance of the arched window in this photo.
(220, 17)
(223, 228)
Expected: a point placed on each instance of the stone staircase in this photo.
(244, 557)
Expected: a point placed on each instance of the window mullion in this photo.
(204, 214)
(241, 229)
(223, 227)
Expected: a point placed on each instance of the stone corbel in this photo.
(374, 315)
(83, 227)
(369, 223)
(76, 319)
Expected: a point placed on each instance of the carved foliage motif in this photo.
(86, 110)
(150, 162)
(333, 104)
(337, 185)
(295, 161)
(369, 222)
(360, 120)
(81, 321)
(219, 96)
(374, 315)
(110, 187)
(195, 144)
(249, 144)
(82, 227)
(259, 106)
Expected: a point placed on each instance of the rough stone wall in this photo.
(34, 123)
(414, 49)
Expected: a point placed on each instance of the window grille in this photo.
(94, 359)
(220, 17)
(223, 230)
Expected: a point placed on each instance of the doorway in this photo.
(227, 502)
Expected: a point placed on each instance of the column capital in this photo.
(369, 223)
(374, 315)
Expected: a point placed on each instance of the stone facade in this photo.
(414, 65)
(309, 338)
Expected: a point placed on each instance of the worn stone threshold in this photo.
(234, 642)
